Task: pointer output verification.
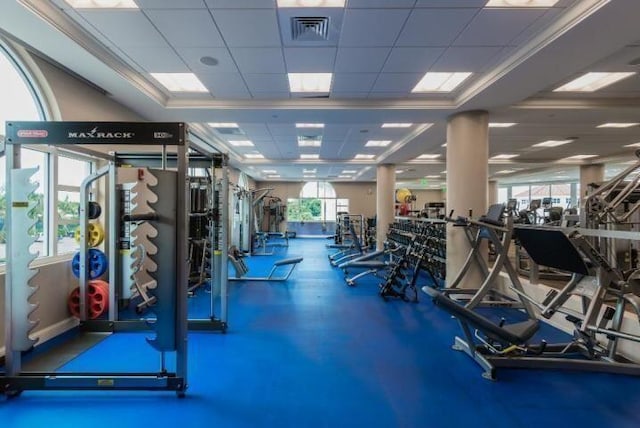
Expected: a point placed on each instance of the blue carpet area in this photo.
(313, 352)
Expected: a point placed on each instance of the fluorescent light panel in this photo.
(431, 176)
(349, 171)
(428, 156)
(102, 4)
(273, 176)
(241, 143)
(440, 82)
(310, 82)
(506, 171)
(269, 171)
(364, 156)
(553, 143)
(344, 176)
(618, 125)
(399, 171)
(308, 176)
(309, 125)
(253, 156)
(309, 156)
(180, 82)
(503, 157)
(223, 125)
(591, 82)
(309, 143)
(501, 124)
(311, 3)
(632, 145)
(309, 171)
(377, 143)
(397, 125)
(520, 3)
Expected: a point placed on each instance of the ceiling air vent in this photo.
(309, 28)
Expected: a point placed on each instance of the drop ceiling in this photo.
(377, 51)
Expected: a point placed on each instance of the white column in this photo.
(385, 201)
(467, 174)
(590, 174)
(493, 193)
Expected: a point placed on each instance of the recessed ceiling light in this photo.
(618, 125)
(428, 156)
(632, 145)
(180, 82)
(377, 143)
(580, 157)
(269, 171)
(310, 82)
(102, 4)
(521, 3)
(364, 156)
(344, 176)
(349, 171)
(309, 125)
(223, 125)
(309, 156)
(503, 157)
(304, 142)
(241, 143)
(396, 125)
(440, 82)
(591, 82)
(273, 176)
(506, 171)
(309, 171)
(311, 3)
(501, 124)
(553, 143)
(253, 156)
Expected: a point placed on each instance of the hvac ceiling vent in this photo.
(309, 28)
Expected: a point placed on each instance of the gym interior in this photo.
(319, 213)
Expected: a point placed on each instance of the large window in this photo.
(17, 102)
(317, 203)
(71, 173)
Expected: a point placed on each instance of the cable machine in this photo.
(163, 238)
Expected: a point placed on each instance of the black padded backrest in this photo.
(354, 236)
(494, 215)
(551, 248)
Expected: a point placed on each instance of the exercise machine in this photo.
(241, 269)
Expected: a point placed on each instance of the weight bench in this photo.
(241, 269)
(367, 262)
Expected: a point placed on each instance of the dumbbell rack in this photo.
(431, 239)
(422, 246)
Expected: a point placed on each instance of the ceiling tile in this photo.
(264, 60)
(192, 57)
(125, 28)
(171, 4)
(497, 27)
(367, 4)
(282, 130)
(306, 60)
(407, 60)
(202, 31)
(353, 82)
(466, 59)
(355, 60)
(267, 82)
(241, 4)
(434, 27)
(157, 60)
(396, 82)
(372, 27)
(221, 83)
(248, 28)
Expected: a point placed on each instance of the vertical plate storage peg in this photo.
(160, 195)
(22, 273)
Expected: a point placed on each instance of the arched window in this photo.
(318, 202)
(19, 102)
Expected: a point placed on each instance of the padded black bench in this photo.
(293, 262)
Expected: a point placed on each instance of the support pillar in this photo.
(590, 174)
(467, 185)
(492, 193)
(385, 201)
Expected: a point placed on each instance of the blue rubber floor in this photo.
(313, 352)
